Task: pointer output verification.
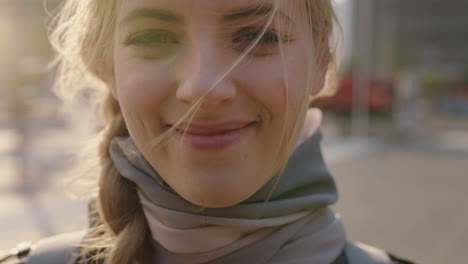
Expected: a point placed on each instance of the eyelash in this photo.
(242, 39)
(250, 35)
(152, 37)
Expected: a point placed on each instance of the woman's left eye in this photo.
(250, 35)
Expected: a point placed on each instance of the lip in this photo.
(213, 136)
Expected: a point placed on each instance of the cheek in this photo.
(263, 83)
(275, 85)
(141, 86)
(297, 80)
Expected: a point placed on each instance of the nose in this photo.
(204, 77)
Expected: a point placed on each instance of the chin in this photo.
(215, 203)
(209, 200)
(217, 193)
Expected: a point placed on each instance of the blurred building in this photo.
(413, 54)
(416, 32)
(423, 32)
(24, 51)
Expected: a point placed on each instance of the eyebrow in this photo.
(160, 14)
(168, 16)
(253, 10)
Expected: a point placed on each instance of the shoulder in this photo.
(357, 252)
(58, 249)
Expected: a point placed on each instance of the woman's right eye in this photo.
(151, 38)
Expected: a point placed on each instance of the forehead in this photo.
(209, 8)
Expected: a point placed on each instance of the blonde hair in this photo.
(82, 34)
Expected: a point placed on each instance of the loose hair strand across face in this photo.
(82, 34)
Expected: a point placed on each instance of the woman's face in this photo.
(169, 53)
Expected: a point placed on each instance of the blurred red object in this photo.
(463, 91)
(380, 98)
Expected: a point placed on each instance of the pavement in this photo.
(407, 195)
(404, 195)
(410, 200)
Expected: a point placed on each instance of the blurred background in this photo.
(396, 132)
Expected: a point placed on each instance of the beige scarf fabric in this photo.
(208, 233)
(295, 226)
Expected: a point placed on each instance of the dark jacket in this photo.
(60, 250)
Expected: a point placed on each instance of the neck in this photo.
(312, 122)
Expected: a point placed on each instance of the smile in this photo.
(210, 137)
